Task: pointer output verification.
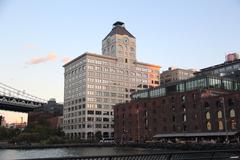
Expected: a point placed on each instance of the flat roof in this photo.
(89, 54)
(147, 64)
(200, 134)
(106, 57)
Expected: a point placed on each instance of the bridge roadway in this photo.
(18, 104)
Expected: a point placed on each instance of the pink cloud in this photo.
(66, 60)
(36, 60)
(51, 56)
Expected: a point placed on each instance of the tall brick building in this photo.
(171, 110)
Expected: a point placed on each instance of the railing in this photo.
(189, 155)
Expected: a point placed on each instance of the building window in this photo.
(146, 122)
(208, 116)
(126, 61)
(220, 125)
(120, 48)
(218, 104)
(219, 114)
(195, 116)
(98, 112)
(209, 126)
(173, 118)
(172, 99)
(196, 127)
(232, 113)
(233, 124)
(90, 112)
(145, 113)
(163, 101)
(174, 128)
(183, 98)
(194, 96)
(184, 128)
(230, 102)
(184, 108)
(206, 105)
(184, 118)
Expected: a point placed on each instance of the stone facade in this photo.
(94, 83)
(176, 74)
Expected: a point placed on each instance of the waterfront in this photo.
(117, 152)
(10, 154)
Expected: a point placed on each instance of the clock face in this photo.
(125, 40)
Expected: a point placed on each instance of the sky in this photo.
(38, 37)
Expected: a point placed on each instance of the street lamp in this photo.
(225, 118)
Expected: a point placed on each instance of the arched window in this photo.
(120, 48)
(113, 48)
(132, 49)
(209, 126)
(126, 48)
(208, 115)
(219, 114)
(184, 118)
(220, 125)
(232, 113)
(183, 98)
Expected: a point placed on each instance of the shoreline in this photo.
(146, 146)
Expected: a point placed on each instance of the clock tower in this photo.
(120, 43)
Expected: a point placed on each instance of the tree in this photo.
(1, 117)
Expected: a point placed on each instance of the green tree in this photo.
(3, 133)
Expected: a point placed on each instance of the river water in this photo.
(10, 154)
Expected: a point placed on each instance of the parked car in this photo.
(107, 141)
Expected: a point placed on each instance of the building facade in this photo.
(94, 83)
(197, 105)
(51, 107)
(176, 74)
(50, 111)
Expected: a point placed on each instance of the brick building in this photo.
(51, 111)
(168, 110)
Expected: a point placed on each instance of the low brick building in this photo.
(51, 111)
(197, 110)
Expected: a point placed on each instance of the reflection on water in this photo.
(9, 154)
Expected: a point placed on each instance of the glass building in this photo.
(200, 82)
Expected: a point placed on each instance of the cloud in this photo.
(66, 60)
(42, 59)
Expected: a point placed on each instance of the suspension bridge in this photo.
(13, 99)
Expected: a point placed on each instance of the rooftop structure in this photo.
(230, 68)
(200, 82)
